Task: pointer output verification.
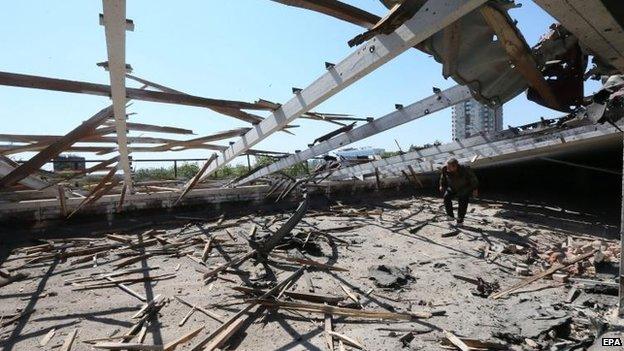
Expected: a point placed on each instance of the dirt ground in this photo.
(501, 243)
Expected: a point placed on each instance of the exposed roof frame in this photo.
(431, 104)
(72, 86)
(431, 18)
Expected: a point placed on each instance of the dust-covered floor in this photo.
(445, 280)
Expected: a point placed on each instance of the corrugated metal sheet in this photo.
(482, 63)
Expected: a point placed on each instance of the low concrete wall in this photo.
(37, 212)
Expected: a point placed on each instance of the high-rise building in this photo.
(471, 118)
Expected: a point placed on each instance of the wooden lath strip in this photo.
(100, 190)
(519, 53)
(44, 140)
(12, 149)
(226, 134)
(191, 183)
(225, 110)
(228, 111)
(336, 9)
(70, 86)
(54, 149)
(146, 128)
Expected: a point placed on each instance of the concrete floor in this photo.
(404, 232)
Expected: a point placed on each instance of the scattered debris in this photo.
(390, 276)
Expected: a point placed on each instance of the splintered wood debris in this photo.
(266, 281)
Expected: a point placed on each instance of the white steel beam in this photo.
(434, 16)
(593, 24)
(431, 104)
(114, 21)
(483, 147)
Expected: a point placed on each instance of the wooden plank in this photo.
(213, 315)
(296, 295)
(309, 262)
(342, 311)
(46, 339)
(191, 183)
(127, 346)
(100, 189)
(147, 306)
(219, 340)
(351, 294)
(186, 316)
(234, 262)
(148, 128)
(56, 148)
(347, 340)
(415, 176)
(329, 340)
(36, 82)
(539, 276)
(45, 140)
(456, 341)
(4, 323)
(207, 249)
(238, 316)
(69, 340)
(336, 9)
(182, 144)
(228, 111)
(184, 338)
(519, 53)
(127, 289)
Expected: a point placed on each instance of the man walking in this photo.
(457, 181)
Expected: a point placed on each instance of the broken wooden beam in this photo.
(310, 263)
(70, 86)
(519, 54)
(341, 311)
(225, 327)
(550, 271)
(213, 315)
(191, 183)
(54, 149)
(296, 295)
(170, 346)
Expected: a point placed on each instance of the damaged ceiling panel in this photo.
(480, 60)
(468, 49)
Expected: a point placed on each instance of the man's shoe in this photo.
(460, 224)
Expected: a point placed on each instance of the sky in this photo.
(237, 50)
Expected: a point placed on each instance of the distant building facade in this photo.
(69, 163)
(471, 118)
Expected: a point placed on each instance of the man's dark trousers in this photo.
(462, 206)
